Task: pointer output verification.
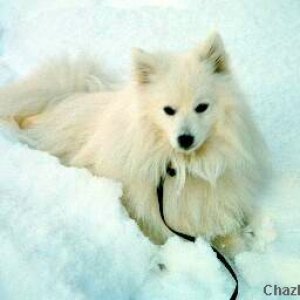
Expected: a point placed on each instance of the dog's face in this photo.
(177, 92)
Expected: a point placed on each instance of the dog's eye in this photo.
(202, 107)
(169, 110)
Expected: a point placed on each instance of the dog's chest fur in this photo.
(199, 209)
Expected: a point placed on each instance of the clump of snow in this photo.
(64, 233)
(192, 272)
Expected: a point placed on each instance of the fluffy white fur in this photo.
(73, 112)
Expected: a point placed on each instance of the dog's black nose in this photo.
(185, 141)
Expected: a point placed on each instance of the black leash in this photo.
(160, 199)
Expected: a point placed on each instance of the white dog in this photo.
(183, 109)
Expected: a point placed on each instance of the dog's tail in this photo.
(49, 85)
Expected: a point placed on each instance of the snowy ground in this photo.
(64, 234)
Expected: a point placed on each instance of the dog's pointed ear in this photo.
(214, 52)
(145, 66)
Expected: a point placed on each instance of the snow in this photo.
(64, 233)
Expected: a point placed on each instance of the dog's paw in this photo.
(232, 244)
(248, 239)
